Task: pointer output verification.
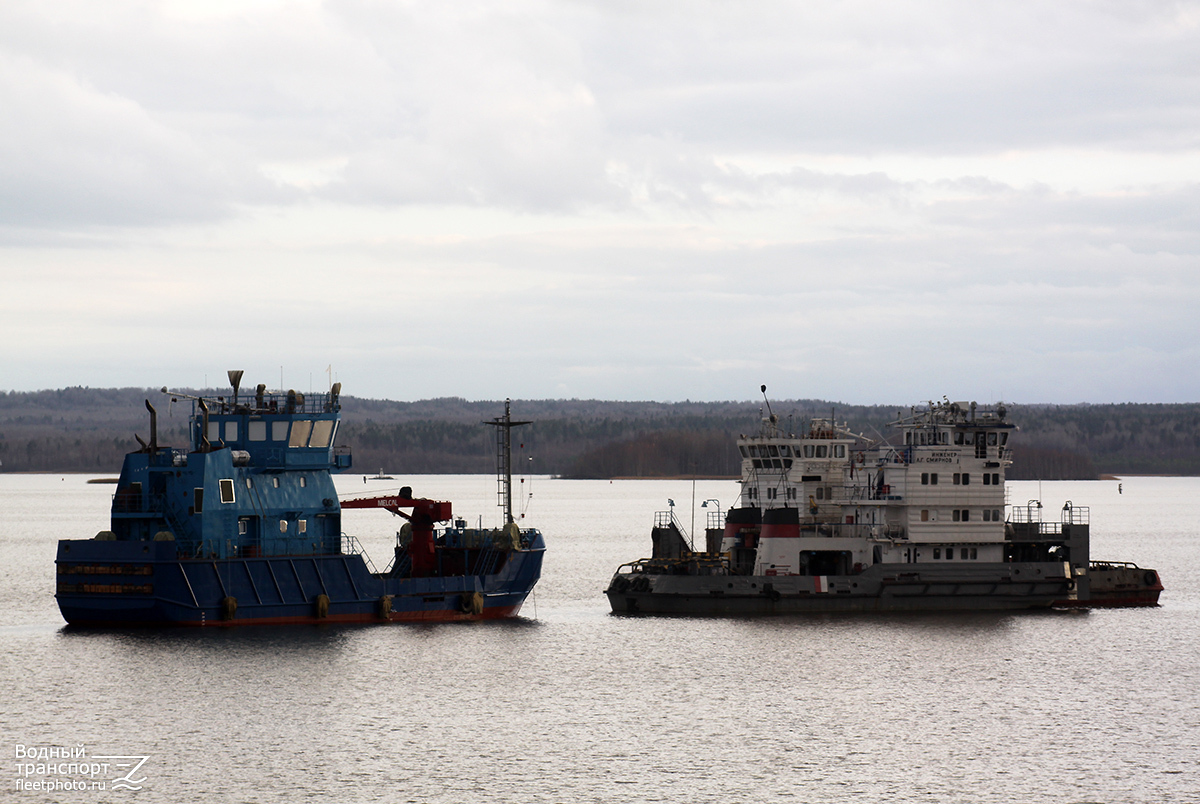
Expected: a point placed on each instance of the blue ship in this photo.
(244, 527)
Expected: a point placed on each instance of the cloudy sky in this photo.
(857, 201)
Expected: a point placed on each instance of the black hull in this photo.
(1006, 587)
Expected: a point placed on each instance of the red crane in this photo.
(424, 514)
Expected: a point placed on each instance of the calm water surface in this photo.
(572, 704)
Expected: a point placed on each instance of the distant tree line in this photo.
(90, 430)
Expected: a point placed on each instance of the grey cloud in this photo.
(127, 115)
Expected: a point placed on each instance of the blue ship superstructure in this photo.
(244, 526)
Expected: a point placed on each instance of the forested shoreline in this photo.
(90, 430)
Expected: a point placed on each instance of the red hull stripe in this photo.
(443, 615)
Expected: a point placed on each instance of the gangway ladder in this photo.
(504, 428)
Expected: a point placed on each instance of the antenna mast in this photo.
(504, 428)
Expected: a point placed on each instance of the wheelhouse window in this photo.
(822, 451)
(839, 450)
(300, 431)
(322, 433)
(231, 431)
(279, 431)
(256, 430)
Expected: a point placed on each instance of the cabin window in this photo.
(968, 438)
(275, 482)
(791, 493)
(198, 500)
(908, 439)
(992, 437)
(820, 492)
(987, 515)
(303, 481)
(1003, 439)
(249, 483)
(924, 514)
(937, 552)
(995, 514)
(966, 478)
(974, 552)
(957, 515)
(933, 478)
(785, 451)
(924, 478)
(231, 431)
(966, 515)
(995, 478)
(957, 478)
(987, 479)
(283, 526)
(958, 438)
(226, 487)
(256, 430)
(279, 431)
(241, 527)
(300, 431)
(302, 526)
(945, 437)
(839, 450)
(809, 450)
(822, 451)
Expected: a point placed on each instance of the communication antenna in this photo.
(504, 426)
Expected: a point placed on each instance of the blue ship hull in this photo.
(105, 583)
(244, 526)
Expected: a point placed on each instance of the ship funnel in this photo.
(235, 379)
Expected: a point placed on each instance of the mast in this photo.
(504, 428)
